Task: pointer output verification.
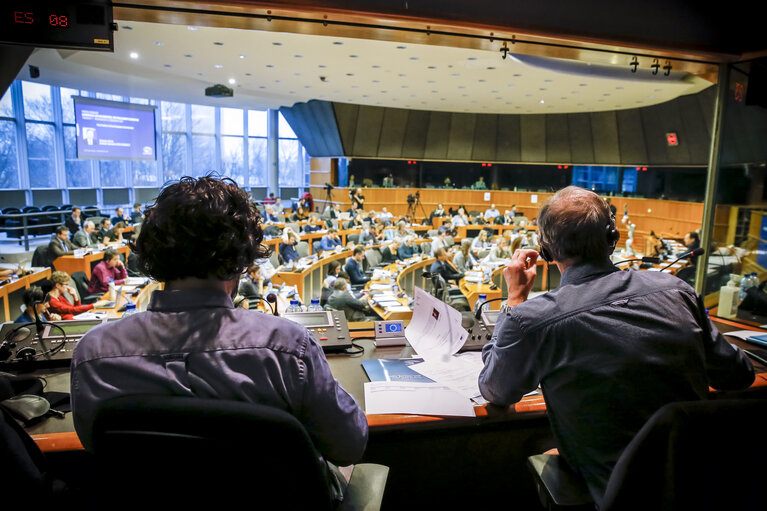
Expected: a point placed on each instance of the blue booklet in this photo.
(394, 369)
(761, 340)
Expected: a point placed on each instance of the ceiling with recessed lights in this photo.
(269, 70)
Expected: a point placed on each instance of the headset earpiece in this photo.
(613, 235)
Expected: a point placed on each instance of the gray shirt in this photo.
(195, 343)
(608, 348)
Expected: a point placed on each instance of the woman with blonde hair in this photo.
(464, 260)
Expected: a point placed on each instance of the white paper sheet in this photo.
(435, 331)
(458, 373)
(416, 398)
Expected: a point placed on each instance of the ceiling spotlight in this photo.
(192, 28)
(243, 56)
(218, 66)
(158, 43)
(232, 81)
(133, 55)
(541, 101)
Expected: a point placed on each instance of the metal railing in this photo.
(27, 226)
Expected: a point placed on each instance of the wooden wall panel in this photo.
(437, 136)
(581, 145)
(393, 133)
(414, 145)
(631, 137)
(508, 145)
(369, 122)
(557, 139)
(533, 138)
(346, 118)
(604, 132)
(485, 138)
(461, 137)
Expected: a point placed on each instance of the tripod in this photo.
(413, 205)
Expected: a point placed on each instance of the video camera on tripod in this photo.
(413, 198)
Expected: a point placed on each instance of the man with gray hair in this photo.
(341, 299)
(608, 347)
(84, 237)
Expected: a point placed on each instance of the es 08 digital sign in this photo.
(85, 25)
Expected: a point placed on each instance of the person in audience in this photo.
(299, 215)
(408, 248)
(252, 283)
(334, 268)
(74, 221)
(115, 234)
(64, 300)
(389, 253)
(507, 219)
(448, 183)
(288, 251)
(367, 234)
(278, 205)
(402, 230)
(36, 304)
(307, 202)
(384, 215)
(332, 212)
(491, 214)
(354, 267)
(214, 350)
(380, 234)
(447, 228)
(331, 240)
(60, 244)
(439, 211)
(464, 260)
(341, 299)
(286, 234)
(444, 267)
(438, 242)
(692, 242)
(358, 200)
(500, 251)
(480, 243)
(120, 216)
(269, 199)
(568, 340)
(136, 215)
(86, 237)
(479, 184)
(103, 230)
(269, 215)
(110, 268)
(461, 219)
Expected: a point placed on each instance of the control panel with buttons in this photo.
(329, 328)
(481, 332)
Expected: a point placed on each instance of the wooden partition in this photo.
(669, 219)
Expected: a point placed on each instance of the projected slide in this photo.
(113, 130)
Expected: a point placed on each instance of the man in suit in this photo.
(445, 267)
(86, 236)
(103, 232)
(342, 299)
(354, 267)
(74, 221)
(60, 244)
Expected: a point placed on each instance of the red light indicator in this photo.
(671, 139)
(740, 92)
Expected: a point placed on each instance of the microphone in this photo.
(653, 260)
(271, 298)
(478, 313)
(693, 252)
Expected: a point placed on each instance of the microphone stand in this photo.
(696, 252)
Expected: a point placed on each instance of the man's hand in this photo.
(520, 275)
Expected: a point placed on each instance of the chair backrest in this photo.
(354, 238)
(274, 258)
(432, 233)
(373, 257)
(293, 227)
(684, 458)
(425, 247)
(302, 247)
(41, 256)
(191, 450)
(81, 283)
(316, 247)
(449, 241)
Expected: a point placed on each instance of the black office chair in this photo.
(689, 455)
(81, 284)
(184, 451)
(41, 257)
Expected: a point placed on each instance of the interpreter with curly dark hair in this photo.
(198, 238)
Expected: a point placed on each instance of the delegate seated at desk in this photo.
(110, 268)
(607, 347)
(288, 252)
(86, 237)
(192, 342)
(331, 240)
(354, 267)
(342, 299)
(60, 244)
(444, 267)
(408, 249)
(36, 306)
(389, 253)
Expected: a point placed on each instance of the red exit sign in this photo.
(671, 139)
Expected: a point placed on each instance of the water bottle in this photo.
(745, 283)
(294, 307)
(754, 280)
(112, 293)
(482, 299)
(315, 305)
(130, 308)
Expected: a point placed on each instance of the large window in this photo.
(38, 144)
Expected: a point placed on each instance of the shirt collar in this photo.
(586, 270)
(177, 300)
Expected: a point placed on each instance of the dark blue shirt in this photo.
(356, 275)
(327, 244)
(608, 349)
(406, 252)
(288, 252)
